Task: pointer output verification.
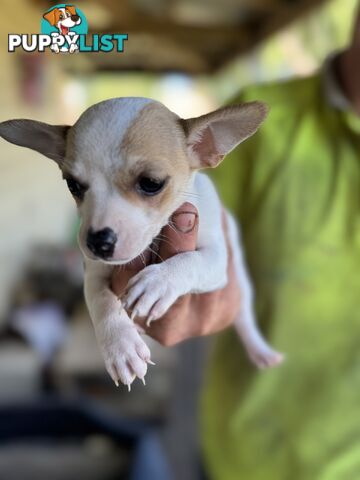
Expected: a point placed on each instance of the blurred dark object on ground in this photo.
(65, 440)
(52, 273)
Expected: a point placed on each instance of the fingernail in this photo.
(184, 221)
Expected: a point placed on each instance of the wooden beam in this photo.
(212, 46)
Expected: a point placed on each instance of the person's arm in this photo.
(194, 314)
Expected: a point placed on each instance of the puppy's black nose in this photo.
(75, 18)
(101, 243)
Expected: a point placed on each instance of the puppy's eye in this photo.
(61, 17)
(76, 188)
(149, 186)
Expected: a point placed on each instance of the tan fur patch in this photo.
(154, 145)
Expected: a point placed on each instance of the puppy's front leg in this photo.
(125, 353)
(156, 288)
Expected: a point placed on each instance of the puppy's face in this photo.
(127, 168)
(129, 162)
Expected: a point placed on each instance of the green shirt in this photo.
(295, 188)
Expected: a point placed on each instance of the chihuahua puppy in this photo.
(130, 163)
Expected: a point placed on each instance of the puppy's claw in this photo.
(149, 320)
(143, 381)
(116, 383)
(133, 315)
(129, 387)
(150, 362)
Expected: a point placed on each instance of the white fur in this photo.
(98, 133)
(125, 353)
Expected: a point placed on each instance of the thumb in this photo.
(180, 235)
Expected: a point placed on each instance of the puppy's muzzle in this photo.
(101, 243)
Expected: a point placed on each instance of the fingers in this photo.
(181, 233)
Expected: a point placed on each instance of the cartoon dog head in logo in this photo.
(63, 18)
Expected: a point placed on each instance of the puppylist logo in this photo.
(63, 30)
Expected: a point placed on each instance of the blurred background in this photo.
(60, 415)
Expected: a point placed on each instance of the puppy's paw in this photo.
(125, 353)
(151, 293)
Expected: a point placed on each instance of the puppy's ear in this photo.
(71, 9)
(210, 137)
(50, 16)
(50, 140)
